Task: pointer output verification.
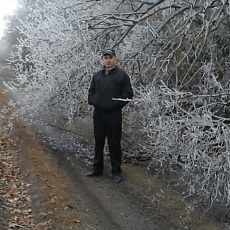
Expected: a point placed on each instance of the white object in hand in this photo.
(121, 99)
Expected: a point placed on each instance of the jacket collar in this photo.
(106, 71)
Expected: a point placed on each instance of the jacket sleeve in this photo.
(91, 92)
(126, 91)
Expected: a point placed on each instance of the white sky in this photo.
(7, 7)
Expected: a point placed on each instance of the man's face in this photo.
(109, 61)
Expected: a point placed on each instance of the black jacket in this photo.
(105, 87)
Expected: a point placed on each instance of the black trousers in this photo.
(107, 125)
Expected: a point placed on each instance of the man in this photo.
(108, 92)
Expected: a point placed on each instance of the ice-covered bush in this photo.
(177, 53)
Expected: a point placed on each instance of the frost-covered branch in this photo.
(177, 53)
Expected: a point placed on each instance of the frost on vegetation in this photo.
(8, 115)
(177, 54)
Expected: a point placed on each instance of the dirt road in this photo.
(72, 201)
(63, 198)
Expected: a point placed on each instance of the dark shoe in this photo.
(117, 178)
(93, 173)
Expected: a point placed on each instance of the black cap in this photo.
(110, 52)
